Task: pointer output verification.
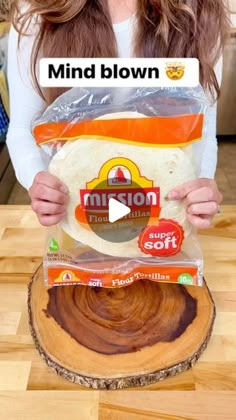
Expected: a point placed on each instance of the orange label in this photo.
(167, 274)
(170, 131)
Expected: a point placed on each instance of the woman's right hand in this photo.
(49, 198)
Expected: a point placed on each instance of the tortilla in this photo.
(79, 162)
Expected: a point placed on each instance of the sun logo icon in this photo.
(175, 71)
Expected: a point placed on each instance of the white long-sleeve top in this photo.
(25, 104)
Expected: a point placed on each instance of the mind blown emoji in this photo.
(175, 71)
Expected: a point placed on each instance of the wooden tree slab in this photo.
(118, 338)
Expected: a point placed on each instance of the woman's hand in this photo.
(48, 198)
(202, 197)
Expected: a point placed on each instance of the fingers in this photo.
(48, 213)
(202, 198)
(206, 190)
(183, 190)
(49, 198)
(51, 181)
(207, 208)
(201, 211)
(204, 194)
(46, 193)
(48, 187)
(200, 221)
(50, 220)
(47, 208)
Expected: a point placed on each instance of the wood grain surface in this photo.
(95, 333)
(186, 396)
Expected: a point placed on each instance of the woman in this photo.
(107, 28)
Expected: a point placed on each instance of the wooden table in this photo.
(22, 369)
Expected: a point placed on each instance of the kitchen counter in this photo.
(22, 369)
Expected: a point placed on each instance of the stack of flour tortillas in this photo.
(80, 161)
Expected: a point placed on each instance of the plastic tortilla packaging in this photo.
(128, 148)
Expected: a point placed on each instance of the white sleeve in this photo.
(209, 151)
(25, 104)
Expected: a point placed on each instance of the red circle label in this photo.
(162, 240)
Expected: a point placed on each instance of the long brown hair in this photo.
(166, 28)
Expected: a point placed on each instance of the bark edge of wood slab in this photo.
(153, 369)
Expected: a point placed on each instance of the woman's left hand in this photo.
(202, 197)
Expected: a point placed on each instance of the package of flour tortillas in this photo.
(120, 152)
